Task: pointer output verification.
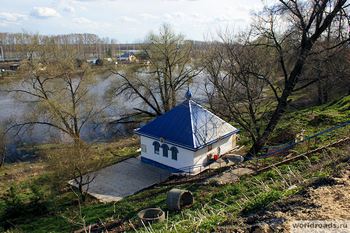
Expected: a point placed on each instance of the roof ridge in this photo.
(188, 124)
(192, 127)
(207, 110)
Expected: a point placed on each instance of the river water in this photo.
(14, 109)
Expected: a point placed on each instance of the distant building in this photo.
(127, 57)
(108, 59)
(186, 138)
(92, 61)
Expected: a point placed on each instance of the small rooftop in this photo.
(126, 55)
(188, 125)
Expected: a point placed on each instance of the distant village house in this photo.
(127, 57)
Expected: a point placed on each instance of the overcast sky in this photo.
(125, 20)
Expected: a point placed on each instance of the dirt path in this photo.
(330, 202)
(327, 199)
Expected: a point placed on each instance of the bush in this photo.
(16, 207)
(322, 119)
(13, 202)
(37, 203)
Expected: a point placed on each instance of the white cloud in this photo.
(69, 9)
(82, 20)
(168, 16)
(148, 16)
(195, 15)
(179, 15)
(128, 19)
(44, 12)
(11, 18)
(222, 18)
(87, 25)
(174, 17)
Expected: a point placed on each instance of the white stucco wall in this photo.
(226, 145)
(184, 157)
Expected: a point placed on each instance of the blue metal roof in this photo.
(126, 55)
(188, 125)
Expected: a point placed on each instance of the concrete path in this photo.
(123, 179)
(230, 176)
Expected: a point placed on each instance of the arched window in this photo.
(165, 148)
(156, 147)
(174, 152)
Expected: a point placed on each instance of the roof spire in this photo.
(188, 94)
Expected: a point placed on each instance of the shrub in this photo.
(16, 207)
(13, 202)
(322, 119)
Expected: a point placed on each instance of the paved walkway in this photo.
(125, 178)
(230, 176)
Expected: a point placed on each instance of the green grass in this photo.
(41, 204)
(247, 196)
(262, 200)
(253, 194)
(214, 205)
(313, 120)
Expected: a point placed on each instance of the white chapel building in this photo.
(186, 138)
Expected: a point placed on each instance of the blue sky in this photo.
(126, 20)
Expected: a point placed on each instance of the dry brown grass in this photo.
(14, 174)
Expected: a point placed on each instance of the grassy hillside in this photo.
(216, 207)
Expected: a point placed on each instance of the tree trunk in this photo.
(2, 153)
(321, 93)
(283, 100)
(2, 159)
(276, 116)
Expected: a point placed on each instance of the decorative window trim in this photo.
(174, 153)
(156, 147)
(165, 148)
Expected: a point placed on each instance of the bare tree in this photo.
(238, 76)
(170, 68)
(76, 163)
(58, 89)
(292, 28)
(329, 69)
(2, 148)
